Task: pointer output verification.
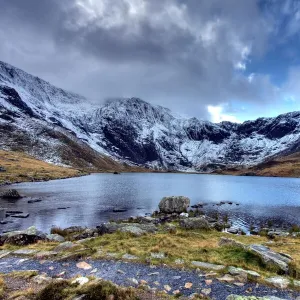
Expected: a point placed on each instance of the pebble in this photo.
(206, 292)
(132, 281)
(167, 288)
(81, 280)
(83, 265)
(188, 285)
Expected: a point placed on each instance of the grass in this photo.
(98, 290)
(2, 287)
(21, 167)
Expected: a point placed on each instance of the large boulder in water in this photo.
(174, 204)
(11, 194)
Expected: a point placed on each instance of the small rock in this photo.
(176, 292)
(184, 215)
(158, 255)
(4, 253)
(83, 265)
(41, 279)
(25, 252)
(179, 261)
(80, 280)
(188, 285)
(143, 282)
(206, 292)
(208, 282)
(94, 271)
(210, 266)
(129, 257)
(133, 281)
(167, 288)
(45, 254)
(64, 246)
(279, 282)
(55, 238)
(226, 278)
(120, 272)
(153, 274)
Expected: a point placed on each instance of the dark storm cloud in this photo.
(184, 55)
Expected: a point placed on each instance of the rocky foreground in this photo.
(170, 254)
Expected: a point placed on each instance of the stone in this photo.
(226, 278)
(233, 230)
(206, 292)
(208, 281)
(209, 266)
(136, 229)
(188, 285)
(42, 279)
(184, 215)
(271, 258)
(83, 265)
(158, 255)
(80, 280)
(132, 281)
(25, 252)
(24, 237)
(179, 261)
(129, 257)
(278, 281)
(4, 253)
(171, 228)
(34, 201)
(231, 242)
(11, 194)
(167, 288)
(146, 220)
(21, 216)
(55, 238)
(195, 223)
(239, 271)
(45, 254)
(174, 204)
(64, 246)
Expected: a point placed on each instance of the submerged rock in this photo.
(174, 204)
(11, 194)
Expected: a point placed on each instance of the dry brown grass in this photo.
(288, 166)
(22, 167)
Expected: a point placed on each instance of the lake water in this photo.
(92, 198)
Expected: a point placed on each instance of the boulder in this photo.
(86, 233)
(11, 194)
(194, 223)
(271, 258)
(22, 238)
(55, 238)
(174, 204)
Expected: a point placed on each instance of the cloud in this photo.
(184, 55)
(217, 115)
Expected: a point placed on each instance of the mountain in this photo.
(65, 128)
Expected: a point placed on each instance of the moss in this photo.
(54, 291)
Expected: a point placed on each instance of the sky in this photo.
(219, 60)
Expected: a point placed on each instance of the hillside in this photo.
(19, 167)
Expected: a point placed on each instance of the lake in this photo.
(91, 199)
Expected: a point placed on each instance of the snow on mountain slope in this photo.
(35, 113)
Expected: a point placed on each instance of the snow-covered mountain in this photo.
(65, 128)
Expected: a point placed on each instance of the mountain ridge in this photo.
(35, 116)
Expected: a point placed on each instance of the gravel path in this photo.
(121, 272)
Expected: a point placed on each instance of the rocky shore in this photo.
(189, 254)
